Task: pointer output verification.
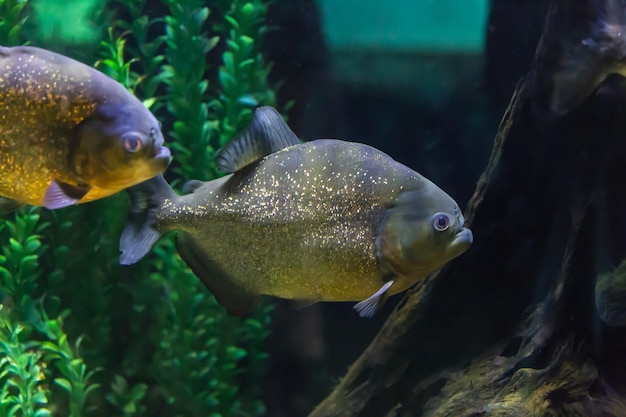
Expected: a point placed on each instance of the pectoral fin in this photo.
(8, 205)
(60, 194)
(234, 298)
(142, 230)
(370, 306)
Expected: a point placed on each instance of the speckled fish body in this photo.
(325, 220)
(64, 123)
(303, 220)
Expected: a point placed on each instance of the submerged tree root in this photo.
(509, 328)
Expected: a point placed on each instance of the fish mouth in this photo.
(462, 241)
(163, 157)
(163, 152)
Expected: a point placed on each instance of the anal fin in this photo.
(370, 306)
(302, 303)
(234, 298)
(8, 205)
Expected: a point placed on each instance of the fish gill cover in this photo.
(79, 335)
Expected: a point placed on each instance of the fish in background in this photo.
(610, 296)
(588, 60)
(69, 134)
(325, 220)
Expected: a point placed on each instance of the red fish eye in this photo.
(441, 222)
(132, 144)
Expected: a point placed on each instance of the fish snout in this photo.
(461, 242)
(163, 156)
(163, 152)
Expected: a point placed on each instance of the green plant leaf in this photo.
(247, 100)
(64, 383)
(42, 412)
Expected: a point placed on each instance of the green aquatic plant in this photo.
(147, 49)
(187, 44)
(198, 346)
(127, 398)
(12, 19)
(44, 340)
(94, 337)
(244, 74)
(21, 361)
(75, 377)
(23, 391)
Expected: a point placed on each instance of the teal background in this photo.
(449, 25)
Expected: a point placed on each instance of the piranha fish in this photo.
(68, 133)
(589, 58)
(610, 296)
(325, 220)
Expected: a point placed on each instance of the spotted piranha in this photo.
(592, 49)
(68, 133)
(610, 296)
(325, 220)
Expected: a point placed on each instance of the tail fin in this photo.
(587, 62)
(140, 232)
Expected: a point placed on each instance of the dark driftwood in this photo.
(509, 328)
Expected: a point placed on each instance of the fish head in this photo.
(118, 146)
(422, 231)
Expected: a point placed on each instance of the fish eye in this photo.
(132, 143)
(153, 133)
(441, 222)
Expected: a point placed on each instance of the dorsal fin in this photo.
(268, 133)
(191, 186)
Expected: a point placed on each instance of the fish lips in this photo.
(462, 241)
(163, 157)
